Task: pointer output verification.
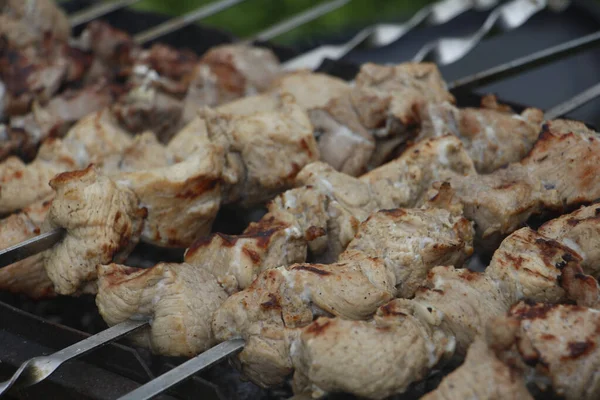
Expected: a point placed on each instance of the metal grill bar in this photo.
(573, 103)
(525, 63)
(177, 23)
(297, 20)
(98, 10)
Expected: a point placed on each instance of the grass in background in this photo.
(252, 16)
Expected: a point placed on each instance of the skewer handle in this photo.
(185, 370)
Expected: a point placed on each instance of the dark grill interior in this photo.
(117, 369)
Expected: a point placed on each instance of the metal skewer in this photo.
(177, 23)
(37, 369)
(185, 370)
(98, 10)
(30, 247)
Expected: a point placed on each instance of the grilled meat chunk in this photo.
(324, 216)
(343, 142)
(182, 199)
(556, 174)
(388, 98)
(179, 299)
(103, 224)
(405, 181)
(226, 73)
(458, 302)
(364, 277)
(27, 276)
(551, 346)
(492, 135)
(372, 359)
(289, 297)
(55, 118)
(45, 17)
(89, 141)
(481, 376)
(580, 231)
(22, 184)
(264, 151)
(412, 241)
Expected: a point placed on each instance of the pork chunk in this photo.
(412, 241)
(103, 224)
(27, 276)
(493, 135)
(388, 98)
(179, 299)
(182, 199)
(372, 359)
(264, 151)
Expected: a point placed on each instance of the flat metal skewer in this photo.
(185, 370)
(177, 23)
(37, 369)
(30, 247)
(98, 10)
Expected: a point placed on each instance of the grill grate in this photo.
(24, 336)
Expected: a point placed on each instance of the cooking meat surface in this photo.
(551, 346)
(412, 241)
(326, 212)
(89, 141)
(556, 174)
(289, 297)
(388, 98)
(481, 376)
(364, 277)
(492, 135)
(398, 347)
(404, 181)
(580, 231)
(103, 223)
(182, 199)
(229, 72)
(22, 184)
(44, 17)
(27, 276)
(264, 151)
(179, 299)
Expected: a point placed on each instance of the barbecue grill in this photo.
(29, 329)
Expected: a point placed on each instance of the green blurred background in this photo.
(252, 16)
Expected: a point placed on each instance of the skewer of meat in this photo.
(552, 347)
(274, 314)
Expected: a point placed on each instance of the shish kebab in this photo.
(523, 130)
(113, 273)
(484, 77)
(105, 56)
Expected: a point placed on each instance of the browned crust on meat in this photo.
(272, 303)
(310, 268)
(197, 188)
(68, 176)
(579, 349)
(314, 232)
(318, 327)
